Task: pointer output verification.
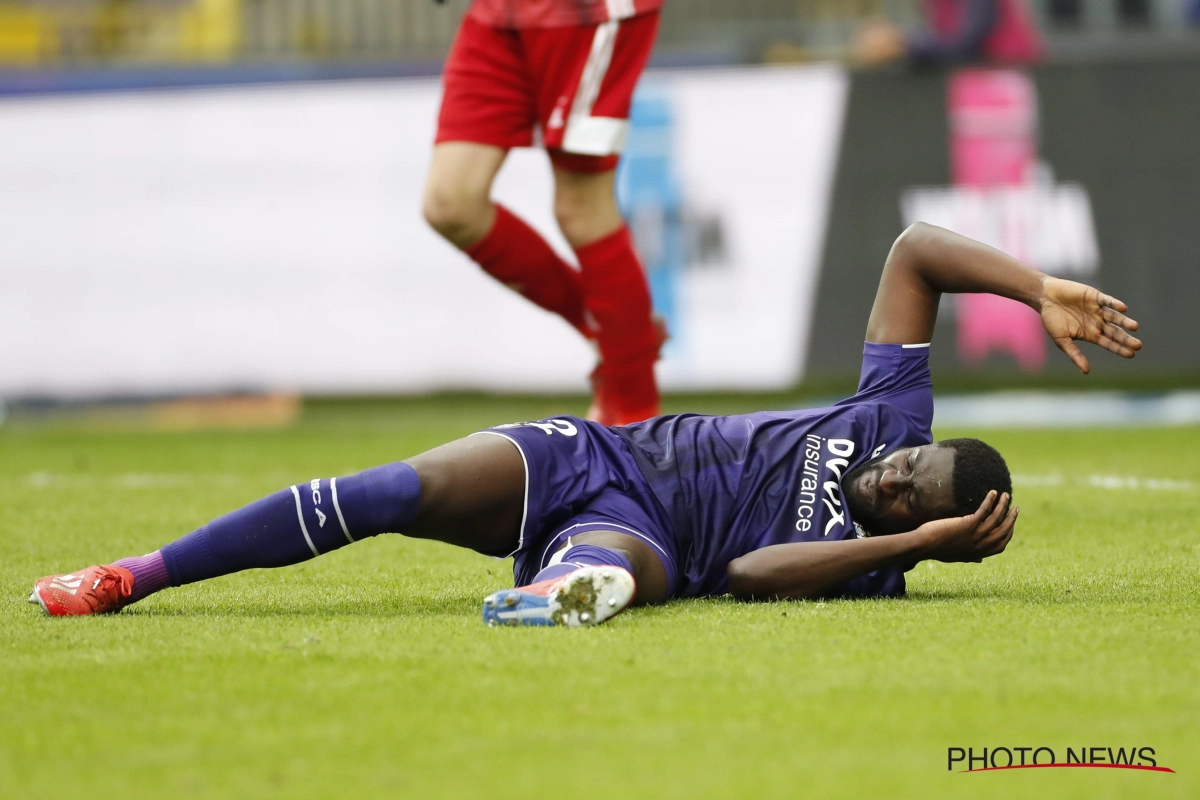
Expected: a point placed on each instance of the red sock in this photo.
(618, 298)
(517, 256)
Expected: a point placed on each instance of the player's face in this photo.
(903, 490)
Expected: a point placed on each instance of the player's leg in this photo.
(457, 202)
(613, 548)
(459, 207)
(469, 493)
(593, 577)
(585, 202)
(487, 109)
(615, 291)
(586, 76)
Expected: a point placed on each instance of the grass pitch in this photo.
(367, 673)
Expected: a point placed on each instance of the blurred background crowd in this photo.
(92, 33)
(175, 242)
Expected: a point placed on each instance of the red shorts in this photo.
(574, 84)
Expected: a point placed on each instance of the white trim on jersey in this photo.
(525, 507)
(559, 554)
(602, 526)
(303, 527)
(595, 136)
(585, 134)
(914, 346)
(620, 9)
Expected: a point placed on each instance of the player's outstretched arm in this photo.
(927, 261)
(809, 570)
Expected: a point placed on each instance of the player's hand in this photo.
(974, 537)
(1073, 311)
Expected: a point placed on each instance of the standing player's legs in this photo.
(615, 292)
(585, 81)
(576, 83)
(458, 206)
(487, 108)
(457, 202)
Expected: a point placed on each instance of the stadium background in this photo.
(206, 197)
(243, 179)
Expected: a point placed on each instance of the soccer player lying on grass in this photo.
(836, 501)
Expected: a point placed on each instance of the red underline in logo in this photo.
(1091, 766)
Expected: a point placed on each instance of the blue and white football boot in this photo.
(585, 597)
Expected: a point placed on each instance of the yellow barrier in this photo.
(211, 30)
(24, 36)
(120, 30)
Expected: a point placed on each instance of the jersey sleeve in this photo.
(888, 582)
(897, 375)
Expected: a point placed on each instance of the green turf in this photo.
(368, 674)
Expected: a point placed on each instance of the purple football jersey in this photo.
(735, 484)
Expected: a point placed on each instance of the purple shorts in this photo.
(580, 476)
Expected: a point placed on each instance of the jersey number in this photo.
(550, 426)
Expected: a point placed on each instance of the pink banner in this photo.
(993, 143)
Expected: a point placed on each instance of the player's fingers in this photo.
(984, 508)
(1005, 531)
(1123, 337)
(1000, 538)
(1108, 301)
(1112, 302)
(1074, 353)
(994, 518)
(1117, 318)
(1122, 347)
(1114, 347)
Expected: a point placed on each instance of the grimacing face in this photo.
(902, 490)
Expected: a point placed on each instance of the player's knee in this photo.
(582, 223)
(741, 579)
(585, 213)
(456, 215)
(570, 221)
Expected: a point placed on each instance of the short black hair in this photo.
(978, 469)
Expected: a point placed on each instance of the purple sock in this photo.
(584, 555)
(149, 574)
(298, 523)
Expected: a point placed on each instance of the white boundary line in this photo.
(1126, 482)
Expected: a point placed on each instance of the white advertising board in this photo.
(271, 238)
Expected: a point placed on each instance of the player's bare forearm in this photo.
(808, 570)
(948, 262)
(927, 261)
(819, 569)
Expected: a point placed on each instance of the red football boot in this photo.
(627, 393)
(95, 590)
